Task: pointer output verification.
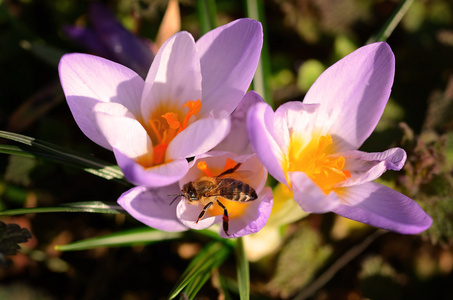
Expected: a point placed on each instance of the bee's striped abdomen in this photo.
(235, 190)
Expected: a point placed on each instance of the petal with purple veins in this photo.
(382, 207)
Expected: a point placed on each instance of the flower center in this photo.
(313, 160)
(165, 127)
(235, 209)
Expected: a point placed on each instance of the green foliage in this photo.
(428, 169)
(303, 255)
(309, 71)
(132, 237)
(87, 206)
(314, 32)
(37, 148)
(18, 170)
(200, 268)
(378, 279)
(243, 273)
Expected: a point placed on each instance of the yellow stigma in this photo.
(313, 159)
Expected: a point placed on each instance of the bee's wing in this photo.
(232, 189)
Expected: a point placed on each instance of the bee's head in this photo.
(189, 192)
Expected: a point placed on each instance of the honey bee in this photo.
(207, 190)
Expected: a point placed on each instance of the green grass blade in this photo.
(243, 271)
(255, 10)
(143, 235)
(88, 206)
(207, 13)
(225, 286)
(196, 284)
(33, 147)
(14, 150)
(386, 30)
(212, 256)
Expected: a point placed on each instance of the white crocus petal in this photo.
(152, 208)
(365, 167)
(309, 196)
(295, 119)
(174, 77)
(254, 217)
(88, 80)
(154, 177)
(188, 215)
(121, 130)
(198, 137)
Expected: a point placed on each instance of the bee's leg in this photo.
(225, 217)
(205, 208)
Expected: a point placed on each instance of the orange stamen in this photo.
(155, 129)
(203, 166)
(172, 120)
(229, 164)
(159, 153)
(194, 107)
(314, 160)
(163, 132)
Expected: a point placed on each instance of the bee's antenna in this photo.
(178, 195)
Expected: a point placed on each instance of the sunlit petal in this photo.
(152, 207)
(260, 126)
(353, 93)
(88, 80)
(174, 77)
(229, 57)
(380, 206)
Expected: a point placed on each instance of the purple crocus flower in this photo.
(182, 108)
(151, 206)
(108, 38)
(312, 146)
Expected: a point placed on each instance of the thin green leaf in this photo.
(386, 30)
(196, 284)
(207, 13)
(243, 272)
(255, 10)
(37, 148)
(14, 150)
(88, 206)
(225, 283)
(212, 256)
(143, 235)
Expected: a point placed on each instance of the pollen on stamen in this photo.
(314, 160)
(203, 166)
(229, 164)
(172, 120)
(163, 132)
